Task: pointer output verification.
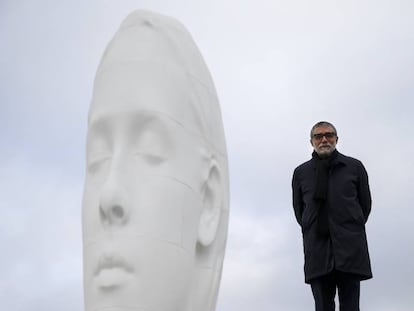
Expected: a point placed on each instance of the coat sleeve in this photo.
(364, 193)
(297, 197)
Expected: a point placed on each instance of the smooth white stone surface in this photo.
(156, 197)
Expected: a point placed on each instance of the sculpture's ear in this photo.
(212, 206)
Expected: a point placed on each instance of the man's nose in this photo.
(113, 203)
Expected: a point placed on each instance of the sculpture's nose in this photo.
(113, 203)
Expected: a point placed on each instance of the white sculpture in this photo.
(155, 206)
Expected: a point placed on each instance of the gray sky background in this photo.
(279, 67)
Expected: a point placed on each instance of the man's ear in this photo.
(212, 206)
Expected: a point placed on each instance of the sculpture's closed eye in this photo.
(152, 144)
(97, 163)
(151, 158)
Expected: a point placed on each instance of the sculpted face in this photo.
(155, 205)
(324, 140)
(143, 192)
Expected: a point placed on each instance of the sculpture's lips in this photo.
(112, 261)
(112, 271)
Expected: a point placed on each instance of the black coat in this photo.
(349, 205)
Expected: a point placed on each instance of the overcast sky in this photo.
(279, 67)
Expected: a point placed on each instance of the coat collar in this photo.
(340, 160)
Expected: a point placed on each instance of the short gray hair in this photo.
(322, 123)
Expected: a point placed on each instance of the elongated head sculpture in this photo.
(155, 205)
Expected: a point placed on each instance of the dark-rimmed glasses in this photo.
(328, 135)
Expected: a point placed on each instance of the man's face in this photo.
(324, 140)
(142, 197)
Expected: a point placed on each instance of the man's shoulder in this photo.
(304, 166)
(348, 160)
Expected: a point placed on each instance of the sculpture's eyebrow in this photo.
(98, 125)
(99, 119)
(98, 128)
(153, 119)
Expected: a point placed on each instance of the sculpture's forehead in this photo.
(147, 86)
